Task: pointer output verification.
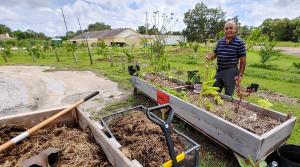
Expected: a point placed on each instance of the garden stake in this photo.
(28, 132)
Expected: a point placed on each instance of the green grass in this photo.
(288, 44)
(278, 76)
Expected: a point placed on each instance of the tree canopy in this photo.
(203, 22)
(98, 26)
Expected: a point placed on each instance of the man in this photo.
(229, 52)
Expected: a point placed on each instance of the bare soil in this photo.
(143, 140)
(250, 120)
(76, 147)
(156, 79)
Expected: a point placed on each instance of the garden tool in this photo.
(165, 125)
(46, 158)
(28, 132)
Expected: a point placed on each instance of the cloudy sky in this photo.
(45, 15)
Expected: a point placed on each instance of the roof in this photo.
(101, 34)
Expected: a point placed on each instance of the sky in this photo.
(45, 15)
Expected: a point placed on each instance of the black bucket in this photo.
(289, 155)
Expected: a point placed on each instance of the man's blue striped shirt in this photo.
(228, 54)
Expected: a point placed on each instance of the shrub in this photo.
(267, 51)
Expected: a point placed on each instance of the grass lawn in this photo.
(279, 76)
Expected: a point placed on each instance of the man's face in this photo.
(230, 30)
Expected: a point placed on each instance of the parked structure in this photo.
(123, 37)
(120, 36)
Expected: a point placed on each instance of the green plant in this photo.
(130, 57)
(182, 44)
(72, 47)
(250, 163)
(267, 51)
(264, 103)
(296, 66)
(6, 52)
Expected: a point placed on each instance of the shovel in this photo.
(28, 132)
(165, 125)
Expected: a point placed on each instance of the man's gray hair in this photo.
(231, 22)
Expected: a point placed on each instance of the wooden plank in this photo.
(114, 155)
(29, 119)
(275, 137)
(234, 137)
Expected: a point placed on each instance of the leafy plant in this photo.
(250, 162)
(264, 103)
(267, 51)
(296, 66)
(182, 44)
(72, 47)
(6, 52)
(130, 57)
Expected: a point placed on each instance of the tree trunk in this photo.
(4, 57)
(75, 57)
(56, 55)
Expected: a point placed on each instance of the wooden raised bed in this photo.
(241, 141)
(74, 119)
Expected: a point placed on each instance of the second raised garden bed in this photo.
(245, 141)
(143, 140)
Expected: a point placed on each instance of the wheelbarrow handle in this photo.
(156, 119)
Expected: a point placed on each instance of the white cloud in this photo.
(45, 16)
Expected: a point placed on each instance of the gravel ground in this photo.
(29, 88)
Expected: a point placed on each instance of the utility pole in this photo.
(147, 23)
(84, 37)
(74, 55)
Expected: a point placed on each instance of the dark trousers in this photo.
(225, 79)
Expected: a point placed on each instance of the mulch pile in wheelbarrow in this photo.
(76, 148)
(143, 140)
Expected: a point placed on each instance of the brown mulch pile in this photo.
(252, 121)
(143, 140)
(76, 148)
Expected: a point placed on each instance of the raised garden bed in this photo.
(234, 130)
(81, 140)
(143, 140)
(76, 147)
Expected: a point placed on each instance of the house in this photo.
(167, 39)
(120, 36)
(5, 37)
(123, 37)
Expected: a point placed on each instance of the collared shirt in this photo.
(228, 54)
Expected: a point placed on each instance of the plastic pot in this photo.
(289, 155)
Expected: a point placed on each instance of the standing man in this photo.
(229, 52)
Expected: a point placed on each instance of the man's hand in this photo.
(238, 79)
(210, 56)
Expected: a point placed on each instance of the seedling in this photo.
(264, 103)
(250, 163)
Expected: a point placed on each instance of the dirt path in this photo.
(290, 50)
(28, 88)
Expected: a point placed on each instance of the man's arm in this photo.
(242, 65)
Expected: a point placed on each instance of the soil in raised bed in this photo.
(252, 121)
(157, 79)
(76, 147)
(143, 140)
